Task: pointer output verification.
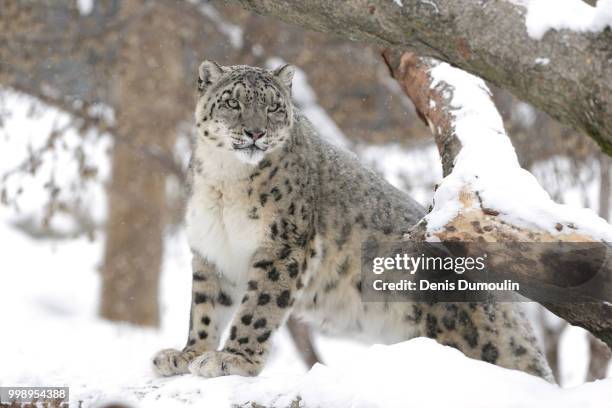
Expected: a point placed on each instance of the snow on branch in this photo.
(575, 15)
(485, 194)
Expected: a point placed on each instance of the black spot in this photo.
(262, 264)
(245, 298)
(206, 320)
(344, 267)
(191, 342)
(345, 232)
(273, 274)
(449, 320)
(224, 299)
(252, 285)
(417, 313)
(489, 353)
(293, 269)
(517, 349)
(468, 330)
(246, 319)
(273, 173)
(264, 336)
(273, 230)
(291, 209)
(252, 214)
(243, 340)
(360, 219)
(199, 278)
(284, 252)
(330, 286)
(264, 163)
(202, 334)
(200, 298)
(263, 198)
(283, 299)
(264, 299)
(233, 333)
(249, 351)
(259, 323)
(358, 286)
(432, 326)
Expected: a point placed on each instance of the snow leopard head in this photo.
(243, 109)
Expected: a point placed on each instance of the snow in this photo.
(487, 164)
(576, 15)
(85, 6)
(399, 3)
(542, 61)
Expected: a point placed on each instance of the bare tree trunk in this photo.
(600, 358)
(147, 77)
(302, 339)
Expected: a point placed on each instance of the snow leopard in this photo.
(275, 219)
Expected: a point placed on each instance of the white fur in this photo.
(218, 227)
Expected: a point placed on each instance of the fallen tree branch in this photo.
(486, 197)
(486, 38)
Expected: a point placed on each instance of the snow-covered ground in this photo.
(51, 334)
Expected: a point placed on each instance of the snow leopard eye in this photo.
(274, 108)
(232, 103)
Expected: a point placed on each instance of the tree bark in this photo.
(148, 74)
(485, 38)
(476, 222)
(599, 359)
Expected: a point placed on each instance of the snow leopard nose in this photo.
(255, 134)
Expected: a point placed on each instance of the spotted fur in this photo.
(275, 220)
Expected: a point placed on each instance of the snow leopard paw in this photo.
(172, 362)
(220, 363)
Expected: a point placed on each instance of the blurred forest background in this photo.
(120, 77)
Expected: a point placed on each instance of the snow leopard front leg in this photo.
(274, 283)
(210, 311)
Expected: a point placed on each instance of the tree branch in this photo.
(486, 38)
(486, 197)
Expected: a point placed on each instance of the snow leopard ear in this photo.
(285, 74)
(208, 73)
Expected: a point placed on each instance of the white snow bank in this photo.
(488, 165)
(576, 15)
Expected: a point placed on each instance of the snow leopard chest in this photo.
(221, 229)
